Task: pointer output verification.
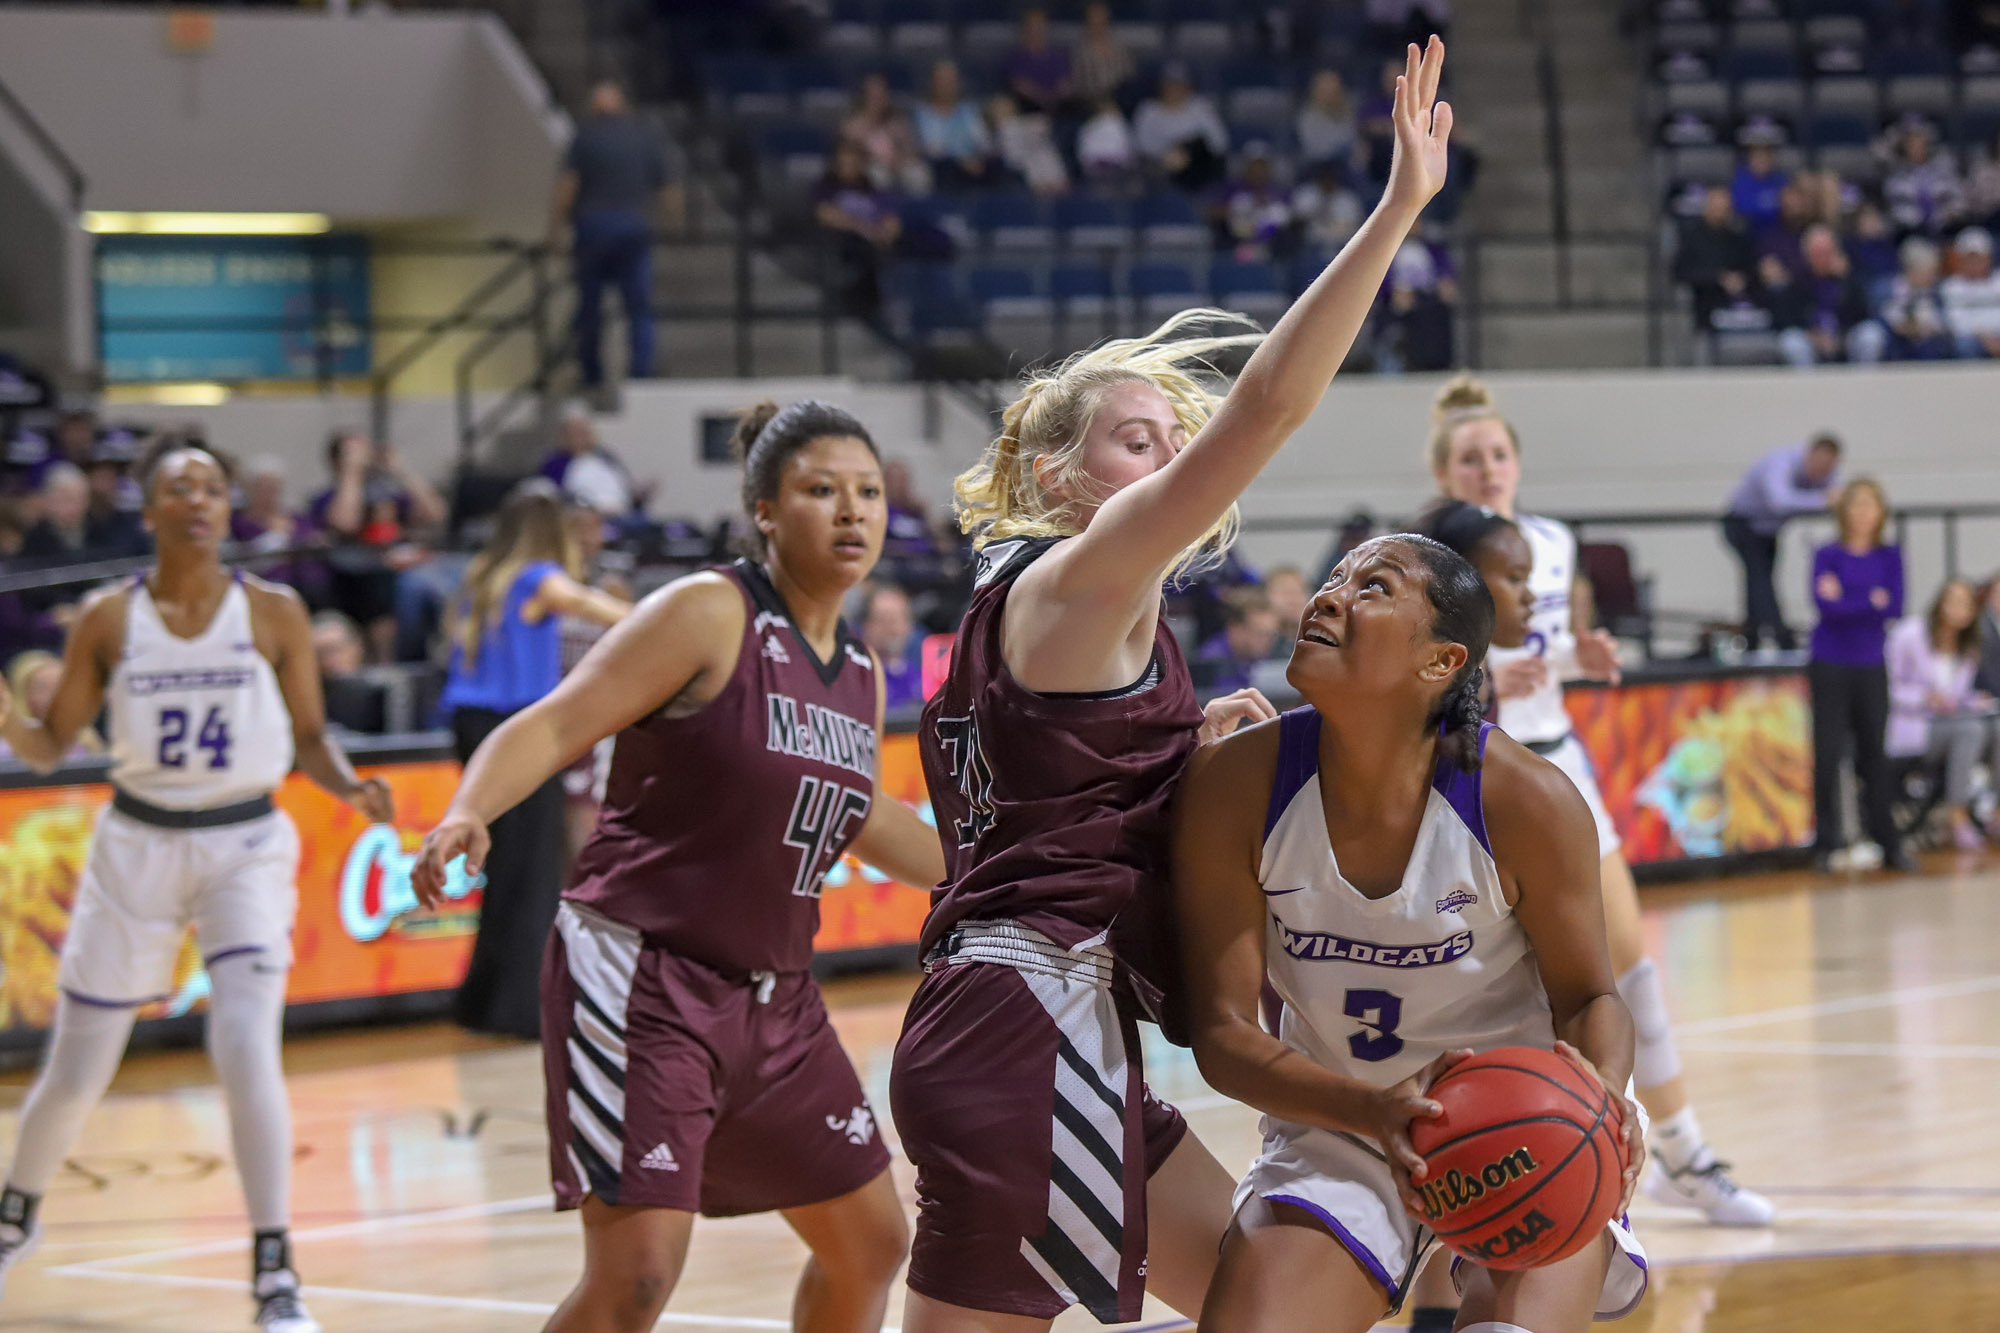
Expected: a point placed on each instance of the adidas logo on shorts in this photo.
(660, 1159)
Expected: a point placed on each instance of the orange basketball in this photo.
(1526, 1163)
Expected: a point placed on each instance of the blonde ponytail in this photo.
(1002, 495)
(1462, 399)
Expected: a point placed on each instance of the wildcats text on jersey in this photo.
(822, 735)
(1316, 945)
(143, 683)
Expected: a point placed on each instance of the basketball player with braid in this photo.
(1417, 887)
(690, 1064)
(1475, 456)
(213, 693)
(1047, 1174)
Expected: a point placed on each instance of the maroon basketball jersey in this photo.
(1052, 807)
(718, 827)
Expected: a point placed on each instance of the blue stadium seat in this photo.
(1093, 222)
(1160, 290)
(944, 319)
(1839, 128)
(1013, 221)
(1910, 62)
(1000, 282)
(1764, 35)
(1743, 66)
(1855, 96)
(1247, 288)
(1928, 94)
(1169, 221)
(1781, 98)
(1081, 286)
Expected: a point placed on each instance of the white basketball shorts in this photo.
(1574, 761)
(1345, 1184)
(143, 886)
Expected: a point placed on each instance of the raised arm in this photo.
(1139, 532)
(318, 755)
(1545, 845)
(94, 643)
(559, 594)
(686, 631)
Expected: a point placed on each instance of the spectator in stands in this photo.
(1037, 72)
(1376, 122)
(1027, 145)
(1253, 216)
(1982, 184)
(65, 534)
(1857, 584)
(1286, 586)
(506, 654)
(1100, 66)
(1784, 235)
(1249, 629)
(1831, 320)
(369, 511)
(1413, 321)
(115, 525)
(1180, 133)
(1106, 151)
(1914, 312)
(1988, 678)
(585, 470)
(887, 143)
(1783, 484)
(951, 133)
(614, 169)
(1327, 209)
(337, 645)
(1326, 127)
(1971, 295)
(888, 628)
(1871, 245)
(910, 545)
(859, 224)
(32, 677)
(1756, 185)
(353, 702)
(1935, 709)
(1922, 187)
(1393, 24)
(1716, 258)
(261, 520)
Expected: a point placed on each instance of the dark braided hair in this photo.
(767, 436)
(1461, 613)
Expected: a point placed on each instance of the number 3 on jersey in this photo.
(213, 737)
(820, 826)
(1379, 1013)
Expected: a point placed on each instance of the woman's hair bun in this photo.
(1461, 393)
(750, 424)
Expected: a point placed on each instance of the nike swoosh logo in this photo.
(1279, 893)
(257, 841)
(259, 967)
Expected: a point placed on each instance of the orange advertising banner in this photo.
(358, 934)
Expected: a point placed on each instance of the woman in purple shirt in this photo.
(1857, 583)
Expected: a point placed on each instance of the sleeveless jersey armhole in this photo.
(1464, 792)
(1298, 761)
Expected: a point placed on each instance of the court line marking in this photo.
(1854, 1003)
(333, 1231)
(1887, 1049)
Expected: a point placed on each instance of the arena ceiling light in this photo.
(186, 394)
(207, 224)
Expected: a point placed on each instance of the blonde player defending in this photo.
(213, 692)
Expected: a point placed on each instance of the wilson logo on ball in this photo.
(1455, 1189)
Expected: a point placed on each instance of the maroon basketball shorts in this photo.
(1018, 1093)
(671, 1085)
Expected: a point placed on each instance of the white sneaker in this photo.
(15, 1245)
(279, 1309)
(1711, 1190)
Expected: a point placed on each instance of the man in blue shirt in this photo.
(612, 171)
(1783, 484)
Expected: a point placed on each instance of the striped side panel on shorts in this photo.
(602, 958)
(1080, 1252)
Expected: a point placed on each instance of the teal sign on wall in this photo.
(232, 307)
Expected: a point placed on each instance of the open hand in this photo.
(1520, 678)
(372, 797)
(1597, 655)
(454, 834)
(1227, 712)
(1628, 1124)
(1423, 127)
(1392, 1111)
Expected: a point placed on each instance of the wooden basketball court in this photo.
(1838, 1036)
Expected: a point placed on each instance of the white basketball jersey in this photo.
(1551, 633)
(196, 723)
(1376, 988)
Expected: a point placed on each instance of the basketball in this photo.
(1526, 1163)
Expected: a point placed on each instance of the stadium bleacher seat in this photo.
(1092, 222)
(1248, 288)
(1168, 221)
(1011, 220)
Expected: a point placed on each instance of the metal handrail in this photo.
(72, 173)
(382, 382)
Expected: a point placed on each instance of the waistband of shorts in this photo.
(1546, 748)
(1011, 944)
(765, 983)
(219, 816)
